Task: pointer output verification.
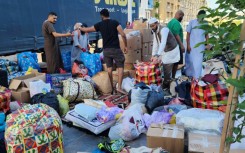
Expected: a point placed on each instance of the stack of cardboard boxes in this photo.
(145, 45)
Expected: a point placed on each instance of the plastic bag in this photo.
(162, 117)
(66, 58)
(39, 86)
(108, 114)
(63, 105)
(127, 84)
(2, 122)
(154, 100)
(130, 125)
(92, 63)
(139, 94)
(26, 60)
(201, 119)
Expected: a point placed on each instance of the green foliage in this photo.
(224, 28)
(157, 4)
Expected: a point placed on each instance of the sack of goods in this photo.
(26, 60)
(78, 90)
(34, 128)
(209, 94)
(92, 62)
(5, 98)
(148, 73)
(10, 66)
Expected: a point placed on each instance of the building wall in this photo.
(168, 8)
(191, 8)
(145, 9)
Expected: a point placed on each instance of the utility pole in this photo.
(130, 10)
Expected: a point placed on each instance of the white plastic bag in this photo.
(127, 84)
(139, 96)
(201, 119)
(39, 86)
(130, 125)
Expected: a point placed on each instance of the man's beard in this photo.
(180, 19)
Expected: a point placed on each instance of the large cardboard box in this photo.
(203, 143)
(146, 35)
(138, 24)
(20, 86)
(145, 49)
(132, 56)
(169, 137)
(126, 31)
(150, 47)
(133, 42)
(129, 66)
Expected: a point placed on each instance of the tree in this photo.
(224, 28)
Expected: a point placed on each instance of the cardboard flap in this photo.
(166, 130)
(14, 85)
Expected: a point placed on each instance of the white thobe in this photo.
(194, 59)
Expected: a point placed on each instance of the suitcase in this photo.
(4, 78)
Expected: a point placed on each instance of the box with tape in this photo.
(168, 136)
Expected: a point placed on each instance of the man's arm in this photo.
(120, 31)
(177, 37)
(56, 34)
(87, 30)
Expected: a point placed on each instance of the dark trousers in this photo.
(167, 70)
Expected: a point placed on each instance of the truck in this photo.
(21, 21)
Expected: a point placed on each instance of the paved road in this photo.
(78, 140)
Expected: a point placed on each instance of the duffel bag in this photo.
(34, 128)
(209, 96)
(49, 99)
(148, 73)
(78, 89)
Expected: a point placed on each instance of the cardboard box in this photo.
(203, 143)
(129, 66)
(146, 35)
(138, 24)
(115, 75)
(20, 86)
(145, 49)
(132, 56)
(126, 31)
(150, 48)
(170, 137)
(133, 42)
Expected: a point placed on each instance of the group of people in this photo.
(109, 30)
(168, 47)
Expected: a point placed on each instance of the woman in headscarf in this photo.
(80, 42)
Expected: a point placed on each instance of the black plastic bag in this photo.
(154, 100)
(49, 99)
